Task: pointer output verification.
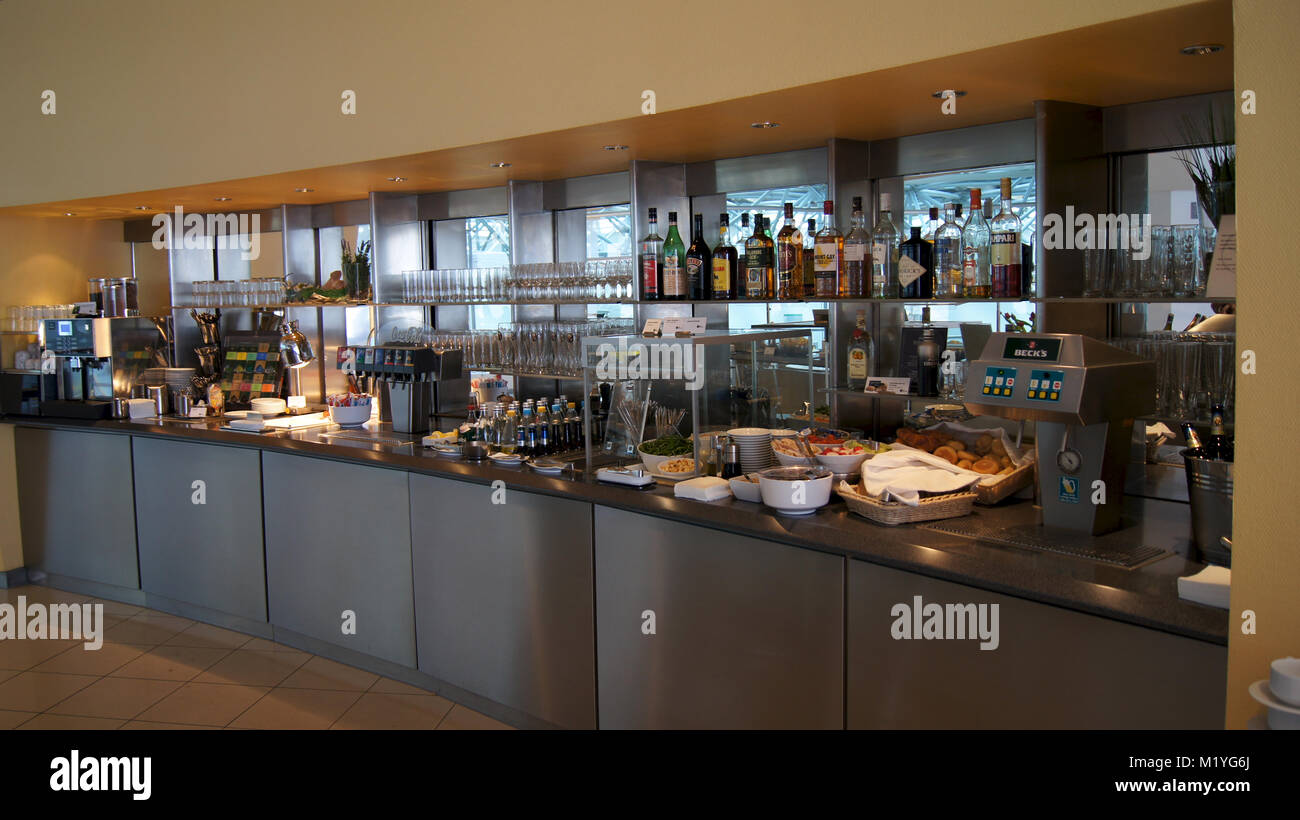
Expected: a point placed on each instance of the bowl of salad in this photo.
(822, 437)
(655, 452)
(846, 458)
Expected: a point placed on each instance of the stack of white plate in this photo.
(177, 378)
(755, 446)
(154, 377)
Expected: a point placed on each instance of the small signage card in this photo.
(652, 327)
(886, 384)
(1222, 282)
(692, 325)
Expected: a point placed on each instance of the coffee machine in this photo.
(96, 360)
(1082, 395)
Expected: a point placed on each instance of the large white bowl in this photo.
(653, 462)
(778, 490)
(793, 461)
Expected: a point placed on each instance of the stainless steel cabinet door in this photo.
(201, 545)
(503, 597)
(338, 539)
(1052, 668)
(77, 505)
(748, 633)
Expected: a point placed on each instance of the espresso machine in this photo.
(97, 360)
(1082, 395)
(405, 380)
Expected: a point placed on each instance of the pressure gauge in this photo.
(1069, 461)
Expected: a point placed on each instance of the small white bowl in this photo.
(794, 461)
(349, 416)
(745, 490)
(777, 487)
(653, 462)
(1284, 680)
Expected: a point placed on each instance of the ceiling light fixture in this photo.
(142, 207)
(939, 95)
(765, 124)
(397, 179)
(223, 199)
(1201, 49)
(500, 165)
(615, 147)
(68, 213)
(303, 190)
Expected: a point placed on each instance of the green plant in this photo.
(362, 256)
(1211, 160)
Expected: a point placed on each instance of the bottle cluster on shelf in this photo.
(944, 259)
(531, 428)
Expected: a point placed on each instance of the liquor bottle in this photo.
(927, 358)
(828, 255)
(947, 255)
(1026, 271)
(1193, 441)
(674, 273)
(976, 278)
(652, 259)
(758, 261)
(885, 240)
(741, 261)
(1169, 322)
(698, 259)
(1004, 248)
(767, 227)
(471, 421)
(857, 254)
(770, 290)
(915, 267)
(859, 355)
(931, 226)
(1218, 445)
(810, 260)
(725, 267)
(789, 259)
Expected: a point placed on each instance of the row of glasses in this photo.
(1194, 371)
(595, 280)
(552, 348)
(260, 292)
(28, 318)
(1176, 264)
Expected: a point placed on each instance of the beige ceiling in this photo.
(1119, 62)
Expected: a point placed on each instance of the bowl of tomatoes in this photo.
(846, 458)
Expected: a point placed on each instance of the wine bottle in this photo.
(724, 263)
(652, 259)
(698, 259)
(789, 258)
(674, 273)
(915, 267)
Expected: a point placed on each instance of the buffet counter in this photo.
(710, 614)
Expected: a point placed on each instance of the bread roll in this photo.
(965, 463)
(967, 455)
(987, 466)
(947, 453)
(983, 444)
(955, 444)
(997, 448)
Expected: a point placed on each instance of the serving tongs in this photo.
(804, 446)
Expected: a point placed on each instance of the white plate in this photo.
(1281, 715)
(243, 414)
(507, 458)
(547, 470)
(796, 511)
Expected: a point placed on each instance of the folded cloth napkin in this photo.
(902, 475)
(1210, 586)
(704, 488)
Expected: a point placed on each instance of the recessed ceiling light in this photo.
(615, 147)
(397, 179)
(68, 213)
(939, 95)
(500, 165)
(1201, 48)
(303, 190)
(765, 124)
(223, 199)
(142, 207)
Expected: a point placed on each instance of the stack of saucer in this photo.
(755, 445)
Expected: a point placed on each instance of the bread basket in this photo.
(892, 513)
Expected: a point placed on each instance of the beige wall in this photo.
(1266, 515)
(47, 261)
(156, 94)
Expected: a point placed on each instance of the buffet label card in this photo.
(1222, 282)
(694, 325)
(651, 327)
(885, 384)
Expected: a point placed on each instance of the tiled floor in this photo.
(158, 671)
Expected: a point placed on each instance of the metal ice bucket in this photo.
(1209, 489)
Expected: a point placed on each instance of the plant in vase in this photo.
(356, 270)
(1211, 162)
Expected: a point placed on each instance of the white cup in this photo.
(1284, 680)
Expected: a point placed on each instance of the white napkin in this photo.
(1210, 586)
(704, 488)
(901, 475)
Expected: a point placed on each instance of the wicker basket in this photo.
(1012, 482)
(948, 505)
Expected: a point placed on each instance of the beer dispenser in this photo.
(405, 376)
